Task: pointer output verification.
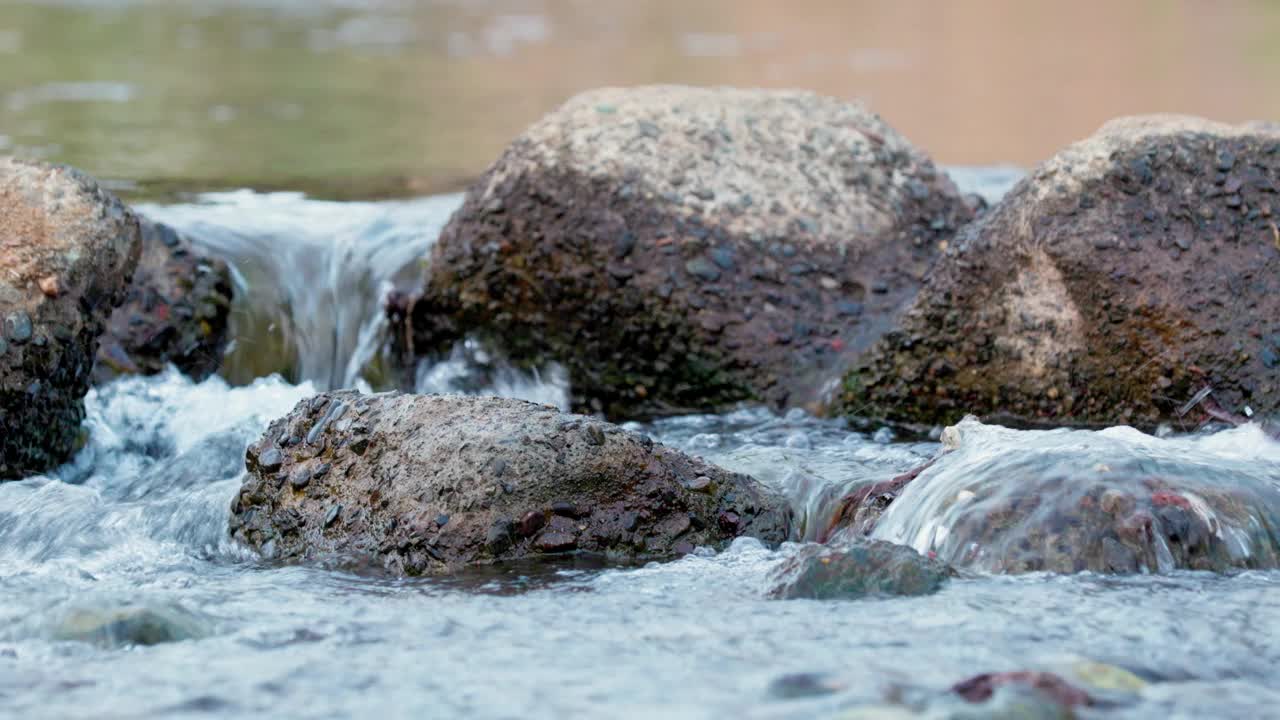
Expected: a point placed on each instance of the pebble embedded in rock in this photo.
(703, 269)
(270, 460)
(499, 536)
(531, 523)
(331, 516)
(50, 286)
(555, 542)
(859, 568)
(722, 257)
(17, 327)
(700, 483)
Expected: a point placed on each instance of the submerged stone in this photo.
(130, 625)
(858, 568)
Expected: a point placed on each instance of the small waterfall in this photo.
(310, 276)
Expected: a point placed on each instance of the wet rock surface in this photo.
(1023, 694)
(1118, 283)
(680, 249)
(1060, 510)
(176, 311)
(130, 625)
(421, 484)
(67, 249)
(858, 568)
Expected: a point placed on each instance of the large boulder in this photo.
(176, 311)
(1116, 501)
(421, 484)
(67, 249)
(682, 248)
(1134, 278)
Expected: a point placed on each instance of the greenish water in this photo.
(366, 99)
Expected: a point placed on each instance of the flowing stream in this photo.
(127, 545)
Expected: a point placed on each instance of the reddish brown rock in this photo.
(67, 249)
(427, 484)
(980, 688)
(682, 249)
(1117, 284)
(176, 311)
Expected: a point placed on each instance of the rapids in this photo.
(121, 595)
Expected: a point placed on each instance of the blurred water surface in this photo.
(374, 98)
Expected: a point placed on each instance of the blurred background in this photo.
(350, 98)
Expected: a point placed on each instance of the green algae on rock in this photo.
(67, 250)
(682, 249)
(425, 484)
(1122, 279)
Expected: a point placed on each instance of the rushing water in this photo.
(128, 543)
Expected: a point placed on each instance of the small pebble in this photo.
(270, 460)
(700, 483)
(50, 286)
(331, 516)
(531, 523)
(17, 327)
(564, 509)
(556, 542)
(703, 269)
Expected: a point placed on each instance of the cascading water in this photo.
(120, 589)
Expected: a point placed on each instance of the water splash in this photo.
(471, 369)
(1116, 500)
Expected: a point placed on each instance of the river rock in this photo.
(422, 484)
(1061, 695)
(1117, 501)
(67, 249)
(176, 311)
(130, 625)
(858, 568)
(685, 248)
(1117, 284)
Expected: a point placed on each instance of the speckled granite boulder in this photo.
(67, 249)
(176, 311)
(1119, 283)
(682, 248)
(423, 484)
